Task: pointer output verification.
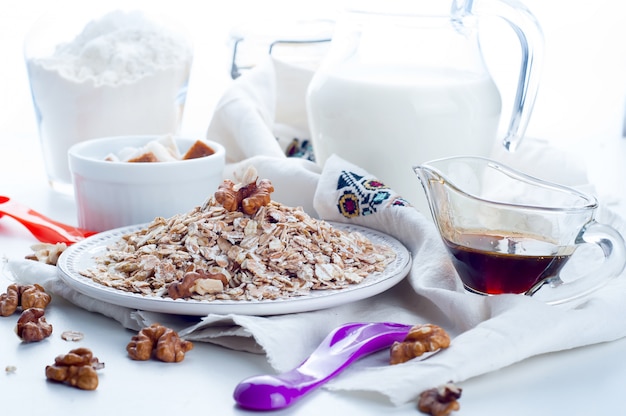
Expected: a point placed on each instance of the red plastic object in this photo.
(43, 228)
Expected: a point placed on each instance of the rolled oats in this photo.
(276, 253)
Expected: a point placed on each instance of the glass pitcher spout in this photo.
(530, 36)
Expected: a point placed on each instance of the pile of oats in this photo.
(277, 253)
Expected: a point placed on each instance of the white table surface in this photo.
(582, 381)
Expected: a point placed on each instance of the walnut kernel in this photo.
(248, 198)
(440, 401)
(24, 296)
(200, 282)
(420, 339)
(159, 340)
(9, 301)
(34, 296)
(78, 368)
(32, 325)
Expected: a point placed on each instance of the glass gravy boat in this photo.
(508, 232)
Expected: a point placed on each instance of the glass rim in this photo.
(590, 201)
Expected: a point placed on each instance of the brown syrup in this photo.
(495, 264)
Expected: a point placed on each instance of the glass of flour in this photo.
(123, 73)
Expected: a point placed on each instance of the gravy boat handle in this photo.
(337, 351)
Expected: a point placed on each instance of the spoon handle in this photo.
(338, 350)
(43, 228)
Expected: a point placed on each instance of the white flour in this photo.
(122, 75)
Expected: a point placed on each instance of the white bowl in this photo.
(116, 194)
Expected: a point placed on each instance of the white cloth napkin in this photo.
(488, 333)
(262, 112)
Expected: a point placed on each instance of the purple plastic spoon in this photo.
(339, 349)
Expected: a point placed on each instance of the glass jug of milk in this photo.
(405, 82)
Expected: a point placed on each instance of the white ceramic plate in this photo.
(80, 256)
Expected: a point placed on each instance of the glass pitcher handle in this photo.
(613, 249)
(529, 33)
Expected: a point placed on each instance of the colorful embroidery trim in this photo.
(363, 196)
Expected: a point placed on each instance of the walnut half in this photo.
(32, 325)
(200, 282)
(78, 368)
(420, 339)
(24, 296)
(440, 401)
(248, 198)
(160, 340)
